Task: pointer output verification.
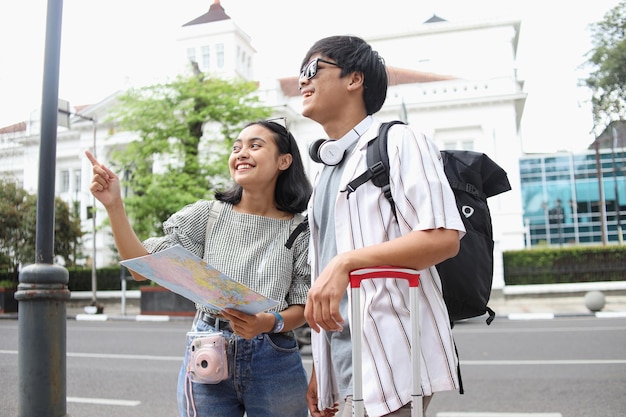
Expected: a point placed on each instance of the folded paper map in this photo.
(184, 273)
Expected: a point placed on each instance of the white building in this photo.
(456, 82)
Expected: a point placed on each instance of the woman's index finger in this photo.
(92, 159)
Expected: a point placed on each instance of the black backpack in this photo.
(467, 278)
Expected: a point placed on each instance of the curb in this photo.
(163, 318)
(549, 316)
(136, 317)
(511, 316)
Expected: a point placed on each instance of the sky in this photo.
(110, 45)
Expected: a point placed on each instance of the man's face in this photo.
(320, 85)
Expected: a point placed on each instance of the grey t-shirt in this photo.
(324, 217)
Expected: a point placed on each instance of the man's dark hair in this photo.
(293, 188)
(352, 54)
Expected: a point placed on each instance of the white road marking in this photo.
(480, 414)
(125, 356)
(531, 316)
(610, 314)
(103, 401)
(92, 317)
(548, 362)
(308, 361)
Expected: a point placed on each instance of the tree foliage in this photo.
(607, 58)
(185, 129)
(18, 229)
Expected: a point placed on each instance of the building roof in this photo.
(289, 87)
(435, 19)
(613, 136)
(14, 128)
(397, 76)
(216, 13)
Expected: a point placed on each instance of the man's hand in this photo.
(322, 305)
(311, 400)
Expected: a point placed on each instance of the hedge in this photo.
(565, 265)
(108, 278)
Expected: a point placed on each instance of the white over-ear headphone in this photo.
(331, 152)
(327, 152)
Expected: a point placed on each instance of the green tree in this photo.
(185, 130)
(67, 233)
(607, 59)
(17, 231)
(18, 228)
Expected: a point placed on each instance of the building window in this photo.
(562, 200)
(64, 178)
(220, 55)
(459, 144)
(206, 57)
(77, 179)
(191, 54)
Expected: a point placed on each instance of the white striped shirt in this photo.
(424, 201)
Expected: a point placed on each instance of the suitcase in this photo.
(356, 277)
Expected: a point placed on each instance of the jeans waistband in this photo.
(222, 324)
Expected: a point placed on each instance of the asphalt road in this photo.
(565, 367)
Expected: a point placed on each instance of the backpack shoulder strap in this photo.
(377, 164)
(378, 153)
(297, 227)
(214, 212)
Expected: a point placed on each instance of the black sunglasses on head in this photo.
(310, 70)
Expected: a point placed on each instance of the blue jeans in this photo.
(266, 379)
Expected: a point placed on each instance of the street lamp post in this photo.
(91, 213)
(557, 215)
(601, 194)
(42, 291)
(620, 237)
(546, 216)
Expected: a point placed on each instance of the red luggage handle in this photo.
(358, 275)
(413, 277)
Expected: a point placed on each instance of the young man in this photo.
(343, 82)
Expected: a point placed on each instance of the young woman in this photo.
(246, 242)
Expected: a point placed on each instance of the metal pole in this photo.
(574, 200)
(620, 237)
(94, 280)
(601, 192)
(42, 291)
(123, 286)
(92, 213)
(547, 222)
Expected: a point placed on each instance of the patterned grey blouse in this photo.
(246, 247)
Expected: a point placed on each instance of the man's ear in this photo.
(356, 80)
(284, 161)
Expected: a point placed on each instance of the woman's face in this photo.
(255, 159)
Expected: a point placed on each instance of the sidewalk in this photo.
(515, 303)
(551, 306)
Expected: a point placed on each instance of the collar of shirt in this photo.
(355, 133)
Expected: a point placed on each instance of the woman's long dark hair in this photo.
(293, 188)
